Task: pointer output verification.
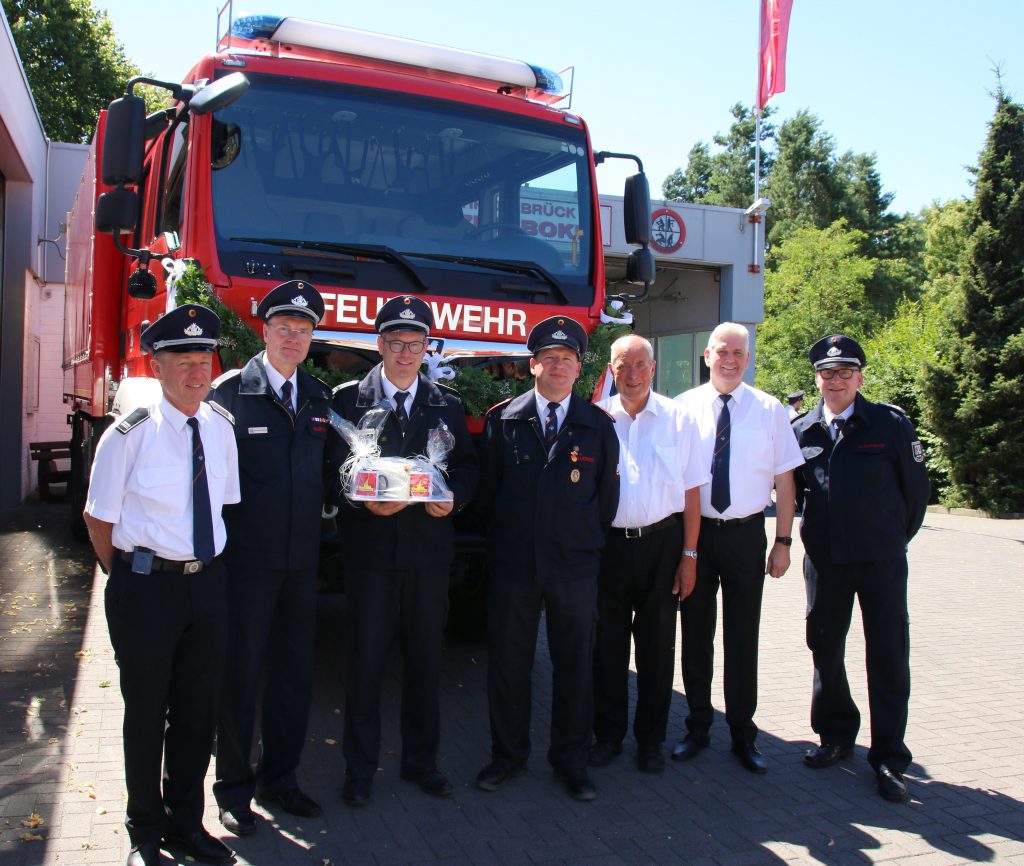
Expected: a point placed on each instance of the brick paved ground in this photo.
(60, 745)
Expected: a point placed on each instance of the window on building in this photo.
(680, 362)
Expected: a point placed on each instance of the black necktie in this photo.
(837, 428)
(286, 397)
(551, 426)
(403, 416)
(202, 519)
(720, 497)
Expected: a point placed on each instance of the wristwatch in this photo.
(690, 553)
(784, 539)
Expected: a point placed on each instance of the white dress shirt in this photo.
(560, 412)
(390, 389)
(142, 480)
(276, 380)
(828, 417)
(659, 460)
(762, 444)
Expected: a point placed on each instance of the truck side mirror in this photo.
(640, 266)
(117, 211)
(219, 94)
(124, 141)
(636, 210)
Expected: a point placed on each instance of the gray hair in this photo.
(730, 328)
(623, 344)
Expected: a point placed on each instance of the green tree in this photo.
(974, 391)
(804, 186)
(815, 287)
(725, 178)
(73, 62)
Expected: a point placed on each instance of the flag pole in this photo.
(755, 217)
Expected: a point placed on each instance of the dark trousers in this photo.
(168, 635)
(412, 605)
(513, 620)
(634, 598)
(881, 588)
(271, 627)
(732, 556)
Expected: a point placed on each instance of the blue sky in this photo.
(908, 80)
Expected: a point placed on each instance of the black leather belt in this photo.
(189, 566)
(632, 532)
(734, 521)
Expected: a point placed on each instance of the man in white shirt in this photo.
(650, 559)
(153, 511)
(749, 446)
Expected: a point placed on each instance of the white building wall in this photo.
(40, 179)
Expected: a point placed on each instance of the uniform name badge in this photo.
(574, 476)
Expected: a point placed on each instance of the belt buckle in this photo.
(193, 567)
(634, 531)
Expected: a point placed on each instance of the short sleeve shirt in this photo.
(142, 480)
(762, 445)
(659, 460)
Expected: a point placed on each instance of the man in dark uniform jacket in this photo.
(865, 488)
(288, 461)
(550, 488)
(398, 557)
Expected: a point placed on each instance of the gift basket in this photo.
(368, 477)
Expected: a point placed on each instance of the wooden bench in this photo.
(48, 453)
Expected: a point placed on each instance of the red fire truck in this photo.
(369, 165)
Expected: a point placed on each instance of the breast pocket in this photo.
(755, 445)
(164, 488)
(668, 466)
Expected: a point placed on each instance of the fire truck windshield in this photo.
(381, 190)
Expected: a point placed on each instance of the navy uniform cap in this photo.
(796, 395)
(295, 298)
(404, 313)
(188, 328)
(558, 331)
(837, 350)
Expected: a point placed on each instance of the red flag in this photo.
(771, 78)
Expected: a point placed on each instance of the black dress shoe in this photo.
(293, 801)
(146, 854)
(751, 758)
(826, 755)
(650, 759)
(602, 753)
(432, 782)
(241, 822)
(689, 748)
(891, 785)
(578, 784)
(201, 846)
(356, 792)
(496, 774)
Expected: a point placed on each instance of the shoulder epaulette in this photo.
(897, 409)
(348, 384)
(133, 420)
(220, 410)
(499, 405)
(224, 377)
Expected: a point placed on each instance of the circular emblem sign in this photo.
(668, 231)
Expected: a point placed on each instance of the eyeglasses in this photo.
(841, 372)
(397, 346)
(285, 333)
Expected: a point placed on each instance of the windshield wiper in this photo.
(373, 251)
(511, 266)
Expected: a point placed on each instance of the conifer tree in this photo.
(974, 393)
